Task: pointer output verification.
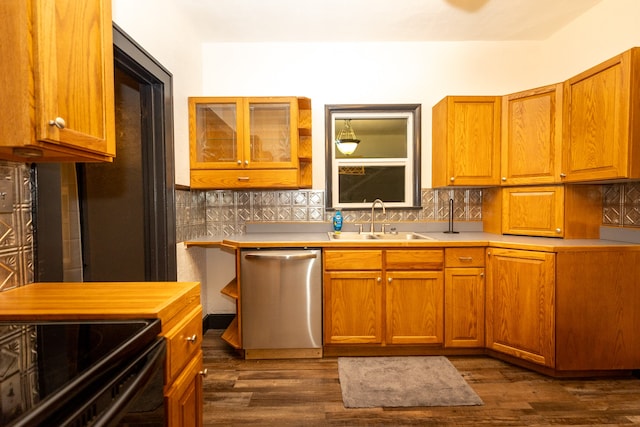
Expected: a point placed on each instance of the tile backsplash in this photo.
(621, 204)
(225, 212)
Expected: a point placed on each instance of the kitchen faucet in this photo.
(373, 214)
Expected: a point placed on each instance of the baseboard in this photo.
(217, 321)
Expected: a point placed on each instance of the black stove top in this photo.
(46, 364)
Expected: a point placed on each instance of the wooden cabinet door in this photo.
(464, 301)
(600, 122)
(532, 136)
(466, 141)
(184, 400)
(533, 211)
(352, 307)
(520, 304)
(414, 307)
(216, 133)
(74, 80)
(58, 83)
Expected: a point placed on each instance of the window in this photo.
(386, 163)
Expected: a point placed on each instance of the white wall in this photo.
(161, 29)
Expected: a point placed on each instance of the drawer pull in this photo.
(243, 178)
(204, 373)
(465, 258)
(193, 338)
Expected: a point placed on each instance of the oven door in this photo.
(134, 396)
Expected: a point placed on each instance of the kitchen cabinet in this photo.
(183, 391)
(520, 304)
(184, 399)
(352, 296)
(464, 295)
(597, 319)
(567, 211)
(466, 141)
(259, 142)
(531, 145)
(57, 81)
(601, 123)
(383, 296)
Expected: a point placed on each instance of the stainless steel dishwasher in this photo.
(281, 303)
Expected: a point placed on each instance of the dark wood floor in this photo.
(307, 393)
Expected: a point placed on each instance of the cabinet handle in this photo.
(192, 339)
(489, 253)
(389, 280)
(452, 179)
(246, 162)
(58, 122)
(379, 279)
(204, 373)
(239, 161)
(481, 274)
(465, 258)
(558, 230)
(504, 178)
(563, 175)
(243, 178)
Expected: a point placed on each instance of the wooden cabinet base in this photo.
(398, 350)
(283, 353)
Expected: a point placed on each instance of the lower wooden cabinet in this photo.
(383, 297)
(464, 297)
(520, 304)
(414, 302)
(184, 398)
(183, 369)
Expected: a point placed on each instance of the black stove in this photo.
(76, 373)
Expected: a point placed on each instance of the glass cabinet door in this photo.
(218, 134)
(271, 129)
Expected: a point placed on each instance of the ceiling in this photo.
(379, 20)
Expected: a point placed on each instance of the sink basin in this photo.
(354, 236)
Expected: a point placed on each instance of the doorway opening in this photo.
(125, 209)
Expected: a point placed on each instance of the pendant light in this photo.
(346, 142)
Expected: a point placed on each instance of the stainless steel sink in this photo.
(354, 236)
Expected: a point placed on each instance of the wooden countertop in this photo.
(440, 240)
(98, 300)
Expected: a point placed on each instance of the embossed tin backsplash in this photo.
(225, 212)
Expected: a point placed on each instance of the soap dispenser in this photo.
(337, 222)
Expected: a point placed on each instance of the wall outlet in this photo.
(6, 196)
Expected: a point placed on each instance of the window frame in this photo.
(412, 163)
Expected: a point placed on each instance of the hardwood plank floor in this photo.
(306, 392)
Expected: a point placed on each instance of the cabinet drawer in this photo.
(412, 259)
(243, 178)
(183, 341)
(464, 257)
(353, 260)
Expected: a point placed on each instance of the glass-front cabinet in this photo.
(262, 142)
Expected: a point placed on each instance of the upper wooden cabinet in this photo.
(57, 81)
(466, 141)
(532, 136)
(262, 142)
(602, 121)
(568, 211)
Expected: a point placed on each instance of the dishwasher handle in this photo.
(282, 256)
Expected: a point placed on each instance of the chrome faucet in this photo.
(373, 214)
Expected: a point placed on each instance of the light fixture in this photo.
(346, 142)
